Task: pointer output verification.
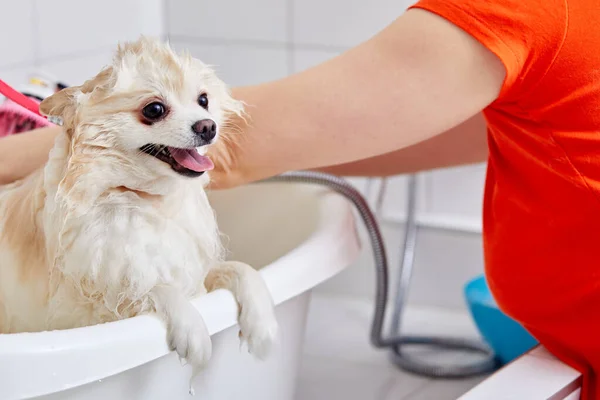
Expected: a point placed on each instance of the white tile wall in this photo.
(17, 43)
(240, 64)
(263, 20)
(71, 26)
(14, 76)
(68, 38)
(456, 191)
(342, 23)
(77, 69)
(444, 262)
(306, 58)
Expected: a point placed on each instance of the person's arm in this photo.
(462, 145)
(419, 77)
(24, 153)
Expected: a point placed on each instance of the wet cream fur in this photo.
(105, 232)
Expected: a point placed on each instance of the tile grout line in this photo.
(257, 42)
(37, 60)
(428, 192)
(416, 390)
(76, 54)
(19, 65)
(229, 42)
(389, 385)
(166, 18)
(421, 388)
(291, 56)
(36, 34)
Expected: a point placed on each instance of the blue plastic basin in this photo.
(507, 338)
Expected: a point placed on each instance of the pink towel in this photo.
(16, 119)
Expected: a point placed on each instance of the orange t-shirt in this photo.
(542, 198)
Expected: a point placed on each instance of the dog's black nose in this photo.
(206, 129)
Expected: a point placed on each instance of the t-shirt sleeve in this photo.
(526, 35)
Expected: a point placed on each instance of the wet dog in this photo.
(118, 223)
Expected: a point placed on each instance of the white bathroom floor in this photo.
(339, 362)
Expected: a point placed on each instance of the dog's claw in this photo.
(258, 332)
(190, 338)
(242, 341)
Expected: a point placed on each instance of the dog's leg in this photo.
(258, 325)
(186, 331)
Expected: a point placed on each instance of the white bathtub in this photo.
(300, 235)
(536, 375)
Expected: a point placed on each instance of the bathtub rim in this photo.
(37, 364)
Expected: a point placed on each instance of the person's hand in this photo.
(25, 152)
(418, 78)
(225, 153)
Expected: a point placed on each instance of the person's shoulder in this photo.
(525, 35)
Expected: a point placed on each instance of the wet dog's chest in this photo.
(141, 245)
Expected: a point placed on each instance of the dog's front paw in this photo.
(188, 336)
(258, 328)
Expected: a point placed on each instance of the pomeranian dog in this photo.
(118, 223)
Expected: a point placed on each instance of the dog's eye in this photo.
(154, 111)
(203, 101)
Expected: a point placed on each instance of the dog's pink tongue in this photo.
(190, 159)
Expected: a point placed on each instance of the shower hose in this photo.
(397, 342)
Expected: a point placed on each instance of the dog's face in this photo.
(152, 110)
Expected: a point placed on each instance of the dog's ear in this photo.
(62, 104)
(57, 104)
